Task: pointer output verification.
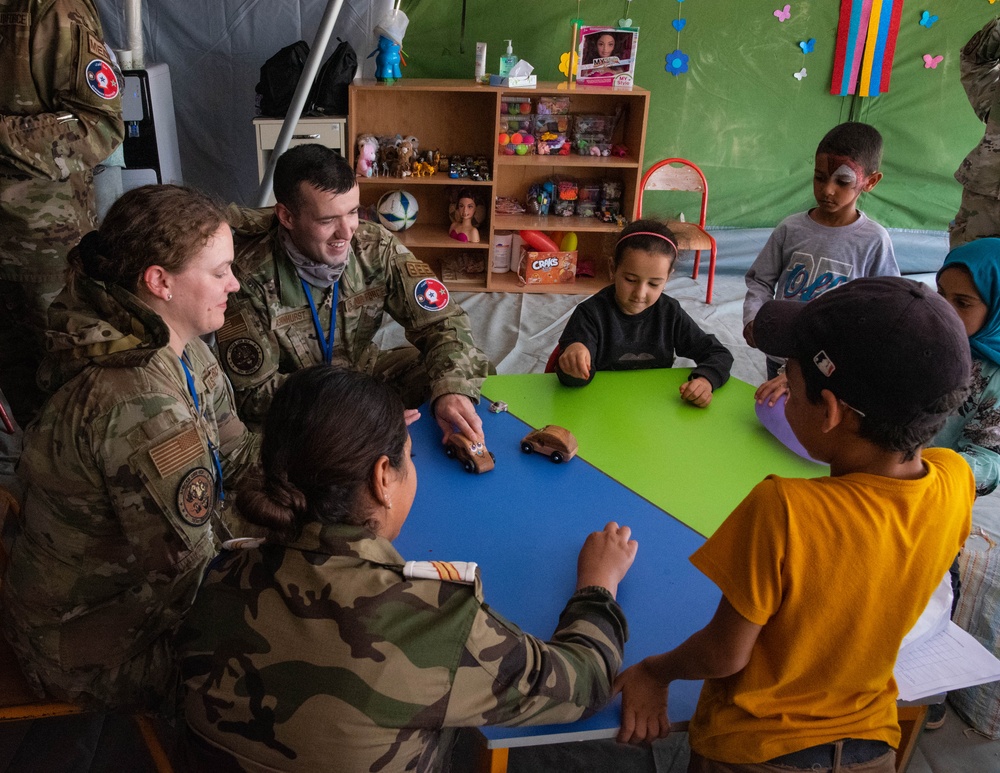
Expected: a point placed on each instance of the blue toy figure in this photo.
(387, 61)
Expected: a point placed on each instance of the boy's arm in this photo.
(720, 649)
(980, 68)
(762, 278)
(883, 257)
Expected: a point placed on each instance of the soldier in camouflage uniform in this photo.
(313, 243)
(979, 214)
(60, 116)
(322, 649)
(124, 469)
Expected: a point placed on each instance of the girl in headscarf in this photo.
(969, 280)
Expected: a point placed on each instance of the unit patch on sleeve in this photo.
(431, 294)
(196, 496)
(418, 268)
(102, 79)
(244, 356)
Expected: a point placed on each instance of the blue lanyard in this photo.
(325, 342)
(211, 446)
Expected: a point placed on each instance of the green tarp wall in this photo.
(739, 112)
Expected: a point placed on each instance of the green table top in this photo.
(695, 463)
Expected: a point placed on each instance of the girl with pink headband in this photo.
(632, 324)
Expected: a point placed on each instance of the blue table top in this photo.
(524, 523)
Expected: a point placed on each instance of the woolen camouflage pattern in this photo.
(46, 196)
(269, 331)
(979, 173)
(120, 496)
(317, 654)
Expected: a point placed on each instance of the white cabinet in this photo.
(329, 130)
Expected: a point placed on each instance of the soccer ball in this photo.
(397, 210)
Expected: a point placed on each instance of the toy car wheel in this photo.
(556, 457)
(469, 466)
(526, 447)
(449, 452)
(493, 456)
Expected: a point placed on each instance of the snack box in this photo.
(546, 268)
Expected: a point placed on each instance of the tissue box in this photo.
(514, 81)
(546, 268)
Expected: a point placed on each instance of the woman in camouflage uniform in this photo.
(322, 649)
(123, 471)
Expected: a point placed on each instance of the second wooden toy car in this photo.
(553, 441)
(471, 453)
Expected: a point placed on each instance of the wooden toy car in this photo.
(554, 441)
(471, 453)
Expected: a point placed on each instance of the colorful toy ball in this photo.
(397, 210)
(516, 138)
(504, 138)
(522, 149)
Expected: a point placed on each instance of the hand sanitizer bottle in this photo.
(507, 61)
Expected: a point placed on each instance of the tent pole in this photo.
(323, 34)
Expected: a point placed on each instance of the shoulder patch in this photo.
(234, 327)
(418, 268)
(102, 79)
(449, 571)
(96, 47)
(210, 376)
(174, 454)
(244, 356)
(431, 294)
(196, 496)
(363, 299)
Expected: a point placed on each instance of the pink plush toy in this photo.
(367, 147)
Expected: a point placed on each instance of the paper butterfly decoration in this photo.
(784, 14)
(807, 46)
(800, 74)
(931, 62)
(926, 20)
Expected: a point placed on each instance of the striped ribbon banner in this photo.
(866, 44)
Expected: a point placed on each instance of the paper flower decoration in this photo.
(677, 62)
(564, 63)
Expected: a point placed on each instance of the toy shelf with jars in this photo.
(463, 120)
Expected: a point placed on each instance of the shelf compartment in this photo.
(552, 223)
(435, 235)
(508, 282)
(572, 160)
(437, 179)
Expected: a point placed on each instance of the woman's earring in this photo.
(170, 296)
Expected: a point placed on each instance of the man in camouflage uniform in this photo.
(60, 116)
(313, 243)
(979, 214)
(327, 652)
(121, 501)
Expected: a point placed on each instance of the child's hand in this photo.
(770, 391)
(410, 415)
(605, 557)
(575, 361)
(697, 391)
(748, 334)
(644, 704)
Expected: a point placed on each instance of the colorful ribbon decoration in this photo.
(866, 43)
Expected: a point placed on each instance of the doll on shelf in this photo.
(463, 226)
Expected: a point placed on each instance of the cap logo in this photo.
(824, 364)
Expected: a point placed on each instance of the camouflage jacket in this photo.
(120, 490)
(60, 116)
(979, 172)
(318, 650)
(269, 331)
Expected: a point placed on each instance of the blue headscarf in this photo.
(982, 259)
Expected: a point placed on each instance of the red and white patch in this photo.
(431, 294)
(824, 364)
(102, 79)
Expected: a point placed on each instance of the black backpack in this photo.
(329, 91)
(278, 78)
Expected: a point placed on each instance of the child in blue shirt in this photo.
(632, 325)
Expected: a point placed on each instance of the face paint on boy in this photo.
(845, 170)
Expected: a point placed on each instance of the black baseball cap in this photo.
(887, 346)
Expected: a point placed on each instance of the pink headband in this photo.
(648, 233)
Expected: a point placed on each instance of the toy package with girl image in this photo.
(607, 56)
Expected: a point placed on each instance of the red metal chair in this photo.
(679, 174)
(550, 365)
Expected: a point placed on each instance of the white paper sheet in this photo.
(947, 661)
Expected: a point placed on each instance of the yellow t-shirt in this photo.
(836, 570)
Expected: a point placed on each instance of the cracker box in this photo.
(546, 268)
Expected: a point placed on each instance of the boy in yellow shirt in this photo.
(821, 578)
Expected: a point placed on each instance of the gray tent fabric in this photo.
(215, 49)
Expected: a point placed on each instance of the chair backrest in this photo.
(675, 174)
(550, 365)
